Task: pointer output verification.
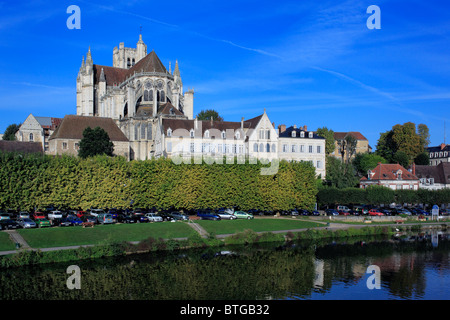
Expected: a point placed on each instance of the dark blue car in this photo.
(207, 215)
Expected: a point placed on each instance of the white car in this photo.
(226, 215)
(26, 223)
(153, 217)
(55, 215)
(96, 212)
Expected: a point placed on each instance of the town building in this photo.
(439, 154)
(433, 177)
(299, 144)
(362, 144)
(393, 176)
(37, 129)
(67, 136)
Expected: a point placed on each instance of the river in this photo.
(404, 267)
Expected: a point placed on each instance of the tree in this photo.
(424, 134)
(10, 132)
(328, 134)
(207, 114)
(347, 147)
(95, 142)
(403, 138)
(422, 159)
(340, 175)
(401, 158)
(366, 161)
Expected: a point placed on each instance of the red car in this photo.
(375, 212)
(344, 213)
(38, 215)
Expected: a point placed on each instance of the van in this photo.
(343, 208)
(105, 218)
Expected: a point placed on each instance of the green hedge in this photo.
(38, 181)
(376, 195)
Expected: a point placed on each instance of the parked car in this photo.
(243, 215)
(74, 220)
(175, 215)
(26, 223)
(403, 211)
(344, 213)
(105, 218)
(89, 218)
(81, 213)
(61, 222)
(139, 217)
(165, 216)
(5, 216)
(375, 212)
(38, 215)
(7, 224)
(41, 222)
(207, 215)
(331, 212)
(226, 215)
(56, 214)
(153, 217)
(123, 218)
(23, 215)
(342, 209)
(96, 212)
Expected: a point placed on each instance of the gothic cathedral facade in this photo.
(135, 92)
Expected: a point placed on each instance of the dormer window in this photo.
(302, 134)
(192, 133)
(399, 175)
(310, 134)
(293, 134)
(224, 135)
(207, 134)
(169, 132)
(237, 135)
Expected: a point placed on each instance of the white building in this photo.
(37, 129)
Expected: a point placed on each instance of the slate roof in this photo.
(72, 127)
(440, 173)
(21, 146)
(288, 134)
(389, 172)
(48, 122)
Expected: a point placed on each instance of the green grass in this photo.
(5, 242)
(257, 225)
(103, 234)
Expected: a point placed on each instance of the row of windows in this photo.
(438, 154)
(237, 135)
(300, 148)
(211, 148)
(302, 134)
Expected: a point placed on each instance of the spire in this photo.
(176, 74)
(89, 57)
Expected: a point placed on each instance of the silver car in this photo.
(26, 223)
(153, 217)
(226, 215)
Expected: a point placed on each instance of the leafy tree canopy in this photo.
(207, 114)
(95, 142)
(328, 134)
(364, 162)
(10, 132)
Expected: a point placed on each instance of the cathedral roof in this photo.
(150, 63)
(115, 76)
(72, 127)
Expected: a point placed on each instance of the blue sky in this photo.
(311, 63)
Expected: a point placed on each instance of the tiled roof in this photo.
(72, 127)
(342, 135)
(115, 76)
(389, 172)
(48, 122)
(21, 146)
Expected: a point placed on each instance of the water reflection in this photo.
(412, 267)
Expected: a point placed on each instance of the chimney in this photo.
(295, 126)
(282, 128)
(211, 121)
(305, 128)
(242, 123)
(443, 146)
(195, 123)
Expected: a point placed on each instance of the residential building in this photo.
(37, 129)
(362, 144)
(433, 177)
(439, 154)
(393, 176)
(67, 136)
(299, 144)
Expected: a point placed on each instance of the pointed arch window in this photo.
(255, 147)
(207, 134)
(31, 137)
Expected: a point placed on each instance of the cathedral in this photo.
(135, 92)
